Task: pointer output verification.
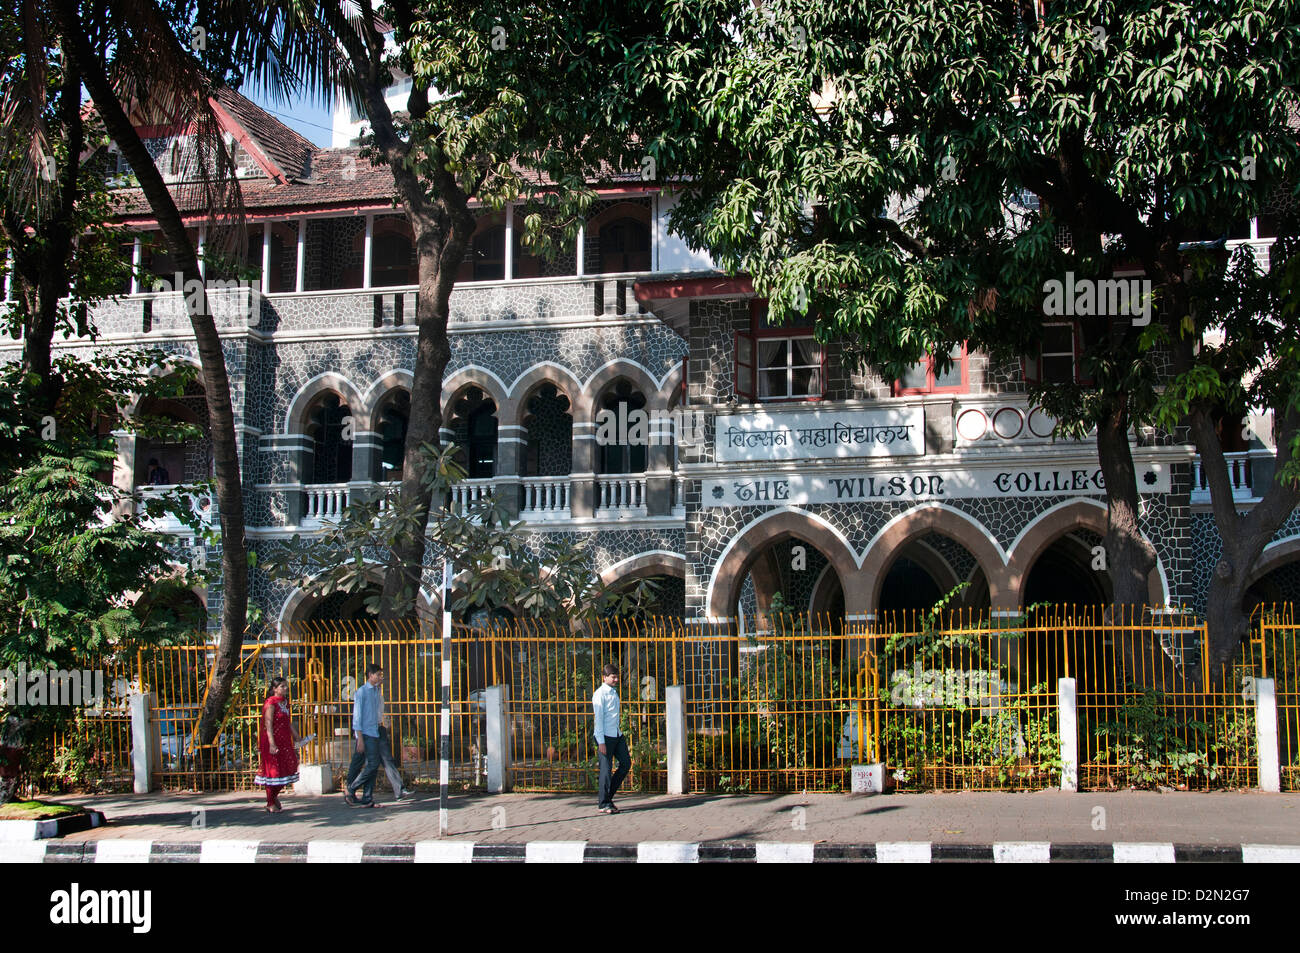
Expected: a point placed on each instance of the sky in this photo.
(304, 116)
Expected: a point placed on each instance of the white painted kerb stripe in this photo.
(1269, 854)
(1144, 853)
(22, 852)
(444, 851)
(1022, 852)
(667, 852)
(555, 852)
(903, 852)
(122, 851)
(771, 853)
(228, 852)
(333, 852)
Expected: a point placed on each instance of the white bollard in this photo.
(146, 744)
(497, 701)
(679, 777)
(1067, 722)
(1270, 765)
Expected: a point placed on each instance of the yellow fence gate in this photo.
(951, 701)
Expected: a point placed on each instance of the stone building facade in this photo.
(811, 476)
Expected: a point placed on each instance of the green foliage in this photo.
(1152, 744)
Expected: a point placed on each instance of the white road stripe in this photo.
(1269, 854)
(667, 852)
(333, 852)
(22, 852)
(903, 852)
(775, 853)
(228, 852)
(1144, 853)
(1022, 852)
(122, 851)
(444, 851)
(554, 851)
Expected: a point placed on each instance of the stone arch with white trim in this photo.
(920, 521)
(756, 538)
(1049, 527)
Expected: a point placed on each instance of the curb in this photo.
(454, 851)
(24, 831)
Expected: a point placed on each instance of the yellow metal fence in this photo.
(952, 700)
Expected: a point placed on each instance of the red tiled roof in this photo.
(287, 149)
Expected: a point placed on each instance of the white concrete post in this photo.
(266, 257)
(368, 251)
(1270, 765)
(582, 238)
(300, 272)
(497, 700)
(1067, 725)
(679, 771)
(146, 745)
(510, 242)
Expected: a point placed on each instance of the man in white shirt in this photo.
(609, 740)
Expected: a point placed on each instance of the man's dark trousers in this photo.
(609, 778)
(367, 777)
(385, 757)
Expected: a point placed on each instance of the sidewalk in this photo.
(1215, 819)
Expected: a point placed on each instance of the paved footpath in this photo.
(1042, 826)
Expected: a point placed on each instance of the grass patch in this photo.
(36, 811)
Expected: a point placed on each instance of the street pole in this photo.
(444, 768)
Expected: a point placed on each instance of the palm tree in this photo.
(128, 52)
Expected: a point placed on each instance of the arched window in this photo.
(624, 245)
(474, 421)
(327, 421)
(392, 254)
(394, 415)
(628, 423)
(549, 426)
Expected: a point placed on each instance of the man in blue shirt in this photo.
(365, 726)
(609, 740)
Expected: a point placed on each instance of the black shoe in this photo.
(612, 809)
(607, 810)
(404, 794)
(350, 798)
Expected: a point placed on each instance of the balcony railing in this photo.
(1240, 475)
(204, 506)
(544, 498)
(625, 493)
(468, 492)
(324, 502)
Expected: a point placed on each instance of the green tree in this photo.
(78, 569)
(509, 101)
(914, 173)
(54, 202)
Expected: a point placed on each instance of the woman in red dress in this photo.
(276, 739)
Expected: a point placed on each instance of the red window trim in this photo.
(899, 390)
(1077, 338)
(757, 331)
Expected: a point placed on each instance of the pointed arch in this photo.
(945, 520)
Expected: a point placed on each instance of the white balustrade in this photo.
(545, 498)
(324, 502)
(620, 493)
(468, 492)
(202, 505)
(1239, 475)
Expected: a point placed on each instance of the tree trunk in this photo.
(440, 246)
(1129, 556)
(216, 382)
(1244, 535)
